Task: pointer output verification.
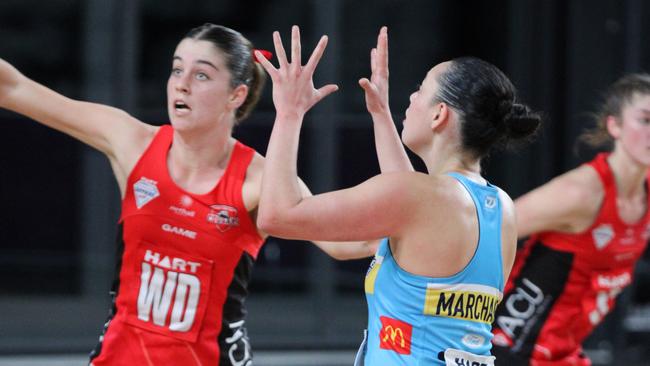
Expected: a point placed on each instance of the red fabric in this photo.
(180, 250)
(604, 257)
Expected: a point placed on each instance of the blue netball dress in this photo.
(418, 320)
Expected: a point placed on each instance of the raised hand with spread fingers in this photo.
(293, 85)
(390, 151)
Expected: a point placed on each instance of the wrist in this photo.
(289, 115)
(382, 116)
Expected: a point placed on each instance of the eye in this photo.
(176, 71)
(201, 76)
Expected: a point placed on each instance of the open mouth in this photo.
(181, 106)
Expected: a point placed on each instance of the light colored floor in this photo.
(268, 358)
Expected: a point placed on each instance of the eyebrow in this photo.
(204, 62)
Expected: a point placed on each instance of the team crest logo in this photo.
(490, 201)
(145, 190)
(602, 235)
(223, 216)
(395, 335)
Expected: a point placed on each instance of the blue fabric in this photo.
(436, 314)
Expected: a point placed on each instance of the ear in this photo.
(238, 96)
(440, 116)
(613, 126)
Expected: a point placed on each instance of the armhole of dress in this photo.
(241, 170)
(162, 131)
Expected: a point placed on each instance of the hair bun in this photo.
(520, 121)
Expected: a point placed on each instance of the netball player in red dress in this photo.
(190, 193)
(588, 228)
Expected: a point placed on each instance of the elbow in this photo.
(269, 222)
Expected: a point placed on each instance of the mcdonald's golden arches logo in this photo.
(395, 335)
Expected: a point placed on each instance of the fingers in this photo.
(373, 60)
(315, 57)
(382, 50)
(364, 83)
(279, 50)
(325, 91)
(266, 64)
(368, 87)
(295, 46)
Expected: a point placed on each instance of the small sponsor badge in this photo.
(395, 335)
(144, 191)
(602, 235)
(455, 357)
(223, 216)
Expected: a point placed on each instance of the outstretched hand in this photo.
(376, 88)
(293, 85)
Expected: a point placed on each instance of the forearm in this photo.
(9, 80)
(390, 152)
(280, 184)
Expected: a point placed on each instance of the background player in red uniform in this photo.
(190, 194)
(589, 227)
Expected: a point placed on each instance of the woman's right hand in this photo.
(376, 89)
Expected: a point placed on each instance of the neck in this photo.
(201, 150)
(444, 158)
(630, 176)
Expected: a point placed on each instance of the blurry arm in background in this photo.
(568, 203)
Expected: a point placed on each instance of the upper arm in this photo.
(378, 207)
(105, 128)
(567, 203)
(508, 233)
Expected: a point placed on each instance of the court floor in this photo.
(262, 358)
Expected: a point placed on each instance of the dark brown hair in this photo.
(239, 60)
(617, 96)
(484, 98)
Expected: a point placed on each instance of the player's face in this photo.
(634, 129)
(417, 130)
(198, 89)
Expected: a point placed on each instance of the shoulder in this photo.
(420, 191)
(252, 186)
(256, 166)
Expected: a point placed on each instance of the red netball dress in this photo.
(563, 285)
(184, 268)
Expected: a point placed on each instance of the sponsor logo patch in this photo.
(371, 275)
(466, 302)
(223, 216)
(181, 211)
(145, 190)
(602, 235)
(473, 340)
(395, 335)
(179, 231)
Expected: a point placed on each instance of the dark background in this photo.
(59, 202)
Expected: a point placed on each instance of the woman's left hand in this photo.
(293, 86)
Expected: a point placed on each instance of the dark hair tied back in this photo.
(484, 99)
(520, 121)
